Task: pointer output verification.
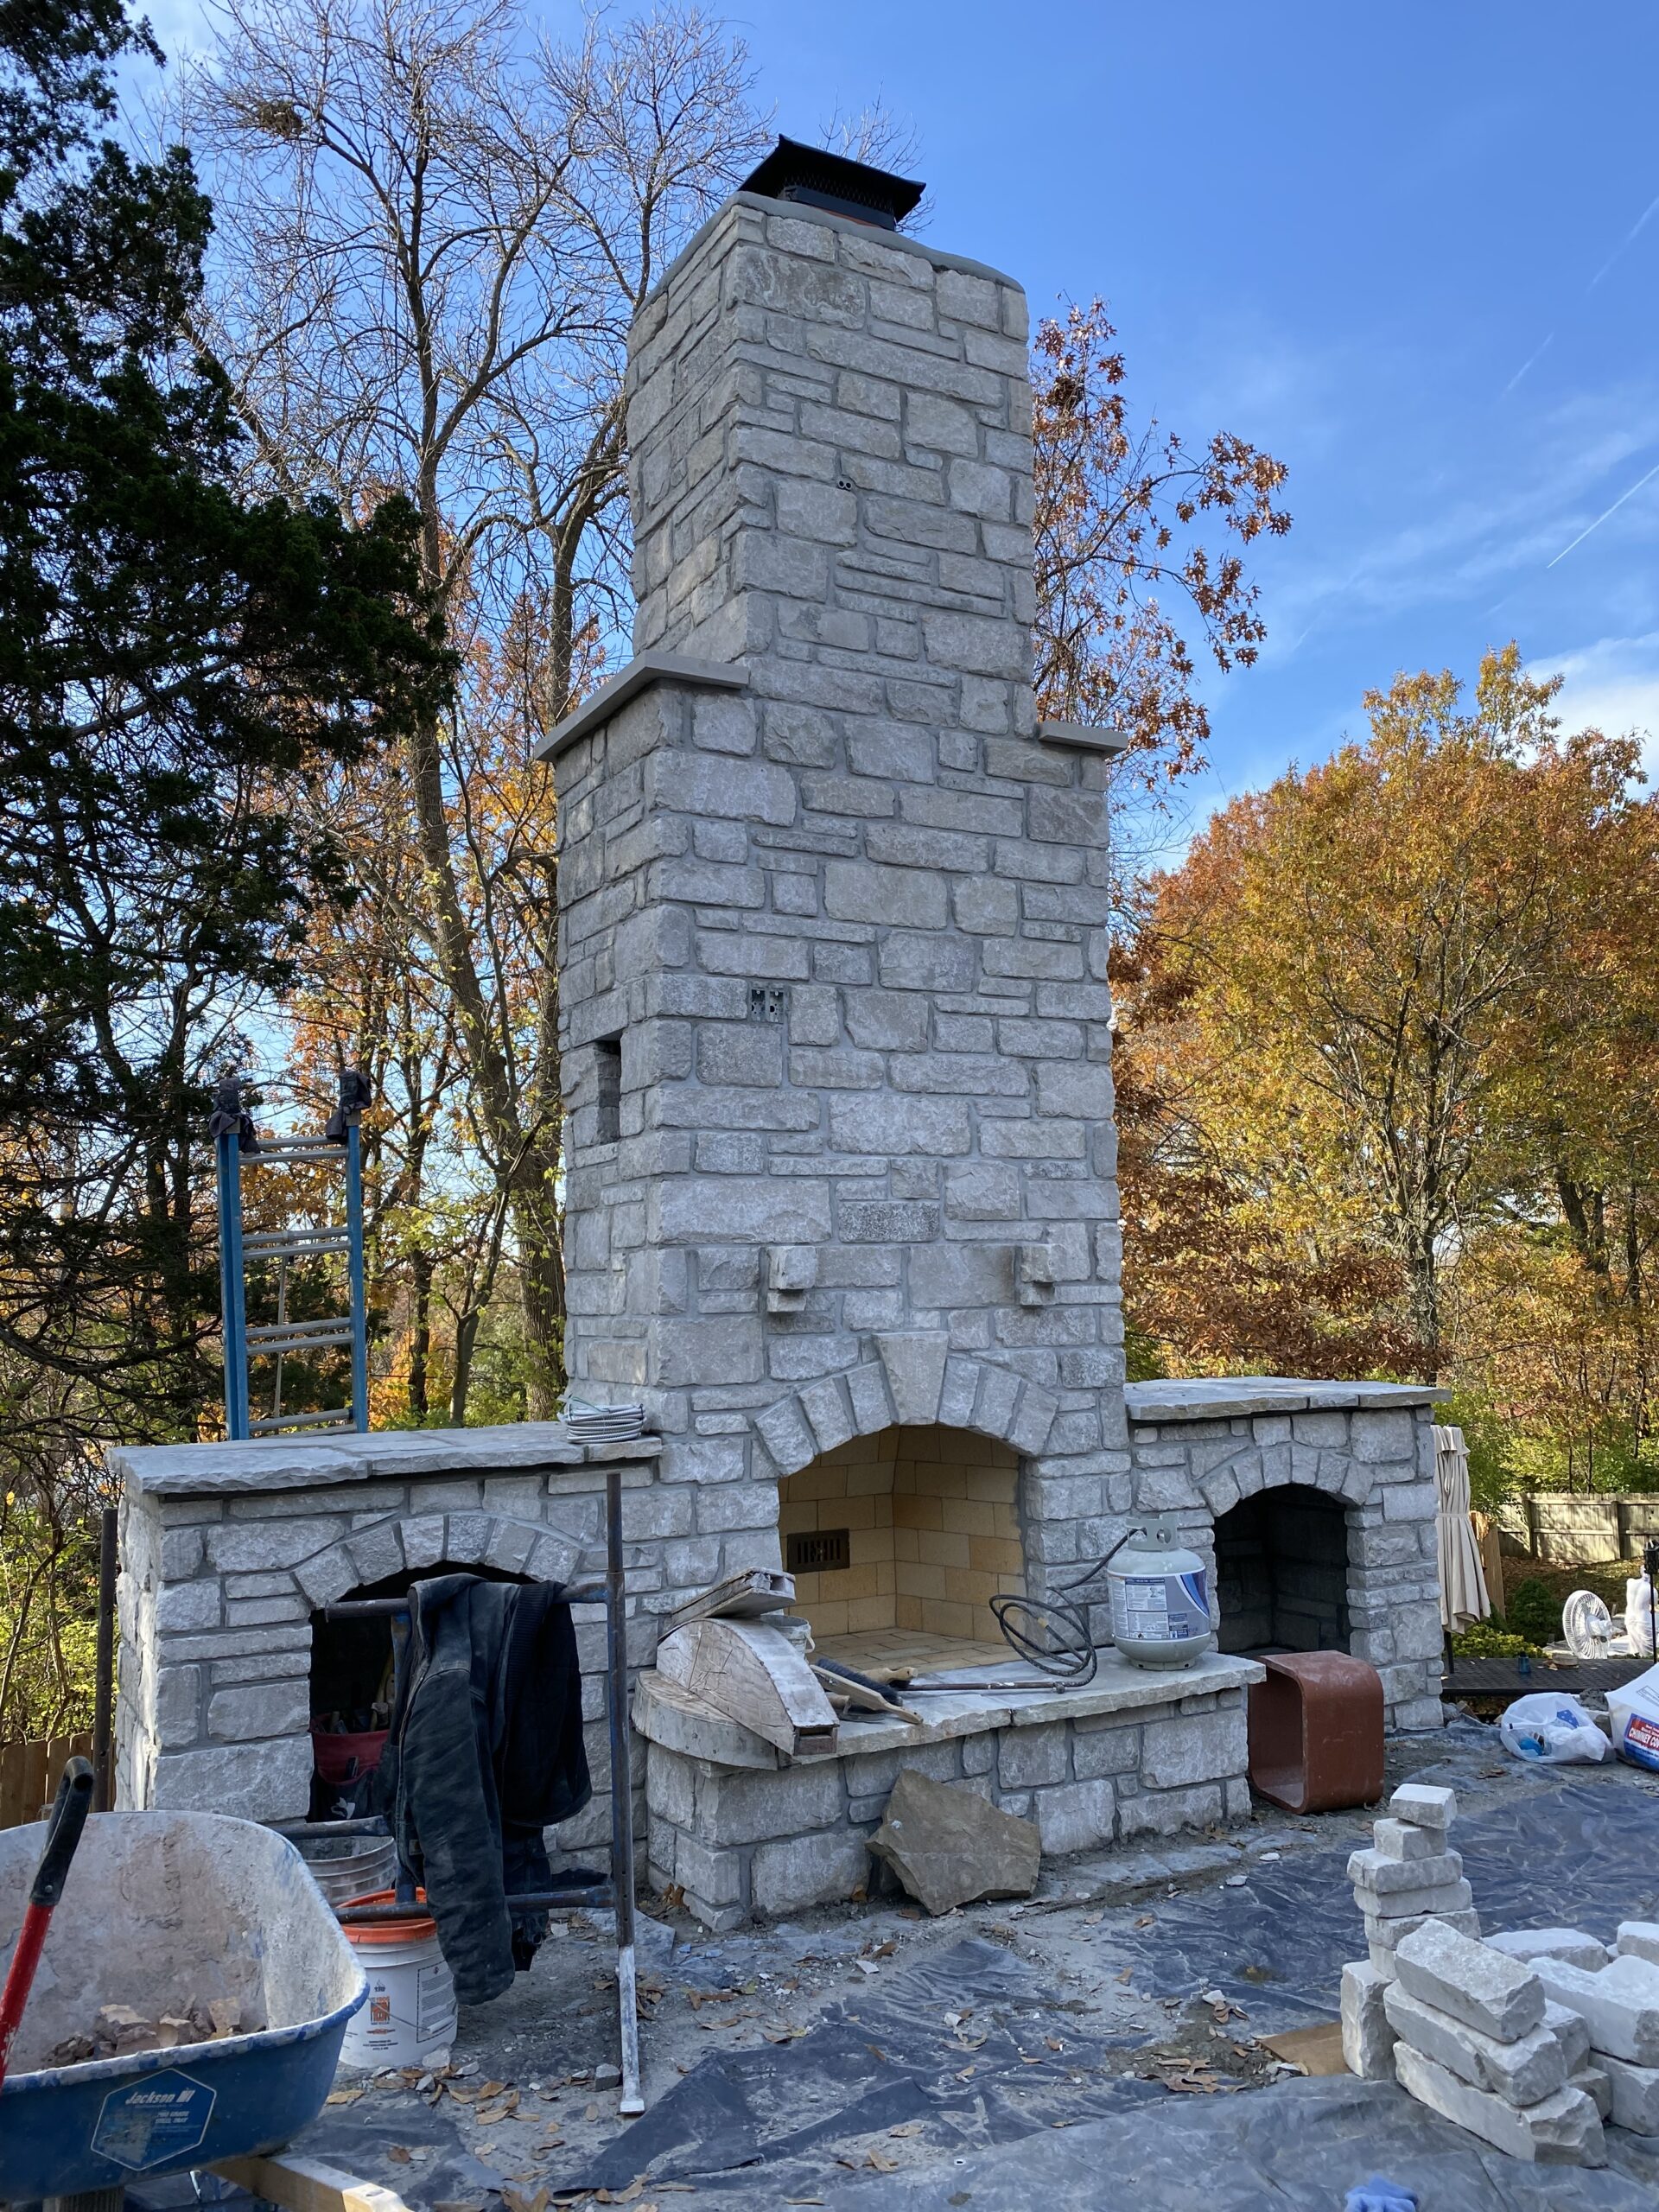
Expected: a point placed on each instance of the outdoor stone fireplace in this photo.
(842, 1206)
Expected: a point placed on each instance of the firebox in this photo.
(1282, 1573)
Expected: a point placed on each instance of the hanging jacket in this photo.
(486, 1751)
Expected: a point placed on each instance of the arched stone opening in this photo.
(1281, 1572)
(351, 1660)
(898, 1541)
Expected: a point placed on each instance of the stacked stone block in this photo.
(1411, 1874)
(1619, 2004)
(1475, 2044)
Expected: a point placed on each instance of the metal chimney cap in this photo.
(819, 179)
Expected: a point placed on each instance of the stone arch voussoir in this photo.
(398, 1543)
(916, 1382)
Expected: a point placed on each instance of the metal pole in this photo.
(354, 1262)
(104, 1694)
(232, 1303)
(616, 1634)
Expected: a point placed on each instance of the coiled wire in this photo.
(1052, 1634)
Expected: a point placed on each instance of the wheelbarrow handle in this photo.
(69, 1817)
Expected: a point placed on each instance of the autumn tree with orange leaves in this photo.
(1394, 1017)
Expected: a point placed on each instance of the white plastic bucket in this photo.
(409, 2020)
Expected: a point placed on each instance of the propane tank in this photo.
(1161, 1607)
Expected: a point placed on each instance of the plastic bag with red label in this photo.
(1634, 1712)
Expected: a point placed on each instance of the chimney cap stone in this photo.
(794, 170)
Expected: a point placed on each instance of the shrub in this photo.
(1533, 1610)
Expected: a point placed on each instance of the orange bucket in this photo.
(409, 2018)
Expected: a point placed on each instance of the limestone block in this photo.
(1571, 2030)
(1435, 1903)
(1196, 1747)
(1620, 2005)
(1594, 2080)
(1390, 1934)
(1635, 2094)
(1367, 2036)
(1562, 2130)
(1423, 1805)
(268, 1781)
(1402, 1839)
(251, 1546)
(1480, 1986)
(714, 1875)
(949, 1846)
(1075, 1815)
(1030, 1757)
(1375, 1870)
(189, 1605)
(263, 1709)
(1112, 1748)
(1533, 2067)
(743, 1807)
(1166, 1812)
(805, 1870)
(1565, 1943)
(1637, 1939)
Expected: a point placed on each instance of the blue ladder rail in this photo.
(236, 1139)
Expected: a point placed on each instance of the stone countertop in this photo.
(277, 1463)
(1229, 1397)
(666, 1714)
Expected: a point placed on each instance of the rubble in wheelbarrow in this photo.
(119, 2031)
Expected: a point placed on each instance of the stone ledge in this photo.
(1082, 738)
(663, 1715)
(1234, 1397)
(278, 1462)
(639, 674)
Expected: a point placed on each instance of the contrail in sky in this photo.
(1526, 364)
(1613, 510)
(1640, 223)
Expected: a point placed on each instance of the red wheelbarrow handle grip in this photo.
(69, 1810)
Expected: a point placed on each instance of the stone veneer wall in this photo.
(1199, 1447)
(933, 1526)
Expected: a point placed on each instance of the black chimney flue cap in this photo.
(819, 179)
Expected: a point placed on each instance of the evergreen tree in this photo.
(175, 661)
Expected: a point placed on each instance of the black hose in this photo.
(1058, 1640)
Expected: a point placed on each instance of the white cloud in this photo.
(1611, 685)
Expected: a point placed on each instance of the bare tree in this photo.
(433, 235)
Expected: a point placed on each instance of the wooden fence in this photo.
(1570, 1530)
(28, 1774)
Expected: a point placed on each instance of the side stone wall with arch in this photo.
(1200, 1448)
(221, 1571)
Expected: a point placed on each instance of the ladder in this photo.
(235, 1142)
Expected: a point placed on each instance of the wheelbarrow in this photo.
(161, 1910)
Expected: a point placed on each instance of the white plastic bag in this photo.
(1639, 1616)
(1553, 1730)
(1634, 1712)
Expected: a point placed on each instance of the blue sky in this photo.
(1404, 248)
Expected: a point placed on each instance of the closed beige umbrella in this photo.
(1462, 1585)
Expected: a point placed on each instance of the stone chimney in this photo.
(833, 907)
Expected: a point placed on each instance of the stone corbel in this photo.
(1034, 1273)
(791, 1271)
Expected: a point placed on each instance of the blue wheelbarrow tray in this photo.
(160, 1910)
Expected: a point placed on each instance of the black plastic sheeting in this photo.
(764, 2125)
(1577, 1857)
(1299, 2147)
